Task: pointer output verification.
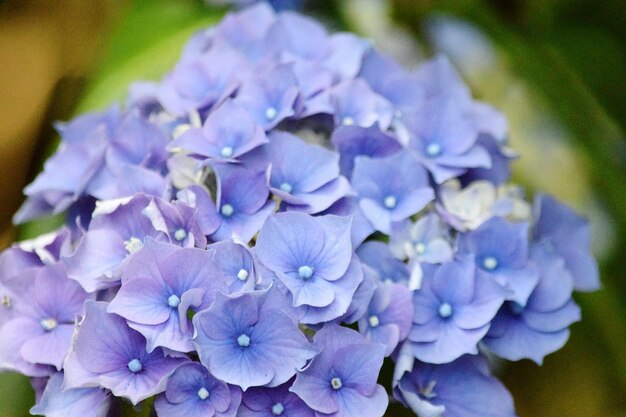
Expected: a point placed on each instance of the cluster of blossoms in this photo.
(253, 235)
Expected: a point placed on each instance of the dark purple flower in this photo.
(341, 380)
(453, 310)
(353, 141)
(304, 176)
(388, 318)
(570, 237)
(313, 258)
(246, 341)
(109, 354)
(538, 326)
(59, 402)
(159, 286)
(272, 402)
(44, 310)
(463, 388)
(193, 392)
(227, 133)
(390, 189)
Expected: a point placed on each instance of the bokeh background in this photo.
(556, 68)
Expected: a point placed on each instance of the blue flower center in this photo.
(420, 248)
(226, 152)
(243, 340)
(286, 187)
(173, 301)
(277, 409)
(445, 310)
(135, 366)
(433, 149)
(203, 393)
(373, 321)
(271, 113)
(336, 383)
(227, 210)
(180, 235)
(305, 272)
(48, 324)
(242, 275)
(390, 201)
(490, 263)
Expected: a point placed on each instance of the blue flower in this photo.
(192, 391)
(245, 341)
(341, 380)
(228, 133)
(272, 402)
(388, 318)
(538, 326)
(352, 141)
(58, 402)
(313, 258)
(304, 176)
(569, 236)
(463, 388)
(390, 189)
(453, 310)
(159, 285)
(107, 353)
(242, 203)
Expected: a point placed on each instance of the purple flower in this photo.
(59, 402)
(159, 285)
(304, 176)
(355, 103)
(362, 296)
(313, 258)
(109, 354)
(463, 388)
(272, 402)
(501, 251)
(196, 83)
(245, 341)
(227, 133)
(453, 310)
(242, 203)
(270, 96)
(539, 326)
(427, 240)
(341, 380)
(233, 264)
(353, 141)
(388, 319)
(377, 256)
(45, 308)
(112, 239)
(445, 140)
(570, 237)
(193, 392)
(390, 189)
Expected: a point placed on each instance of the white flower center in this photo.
(227, 210)
(203, 393)
(242, 275)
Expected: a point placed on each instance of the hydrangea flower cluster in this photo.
(281, 215)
